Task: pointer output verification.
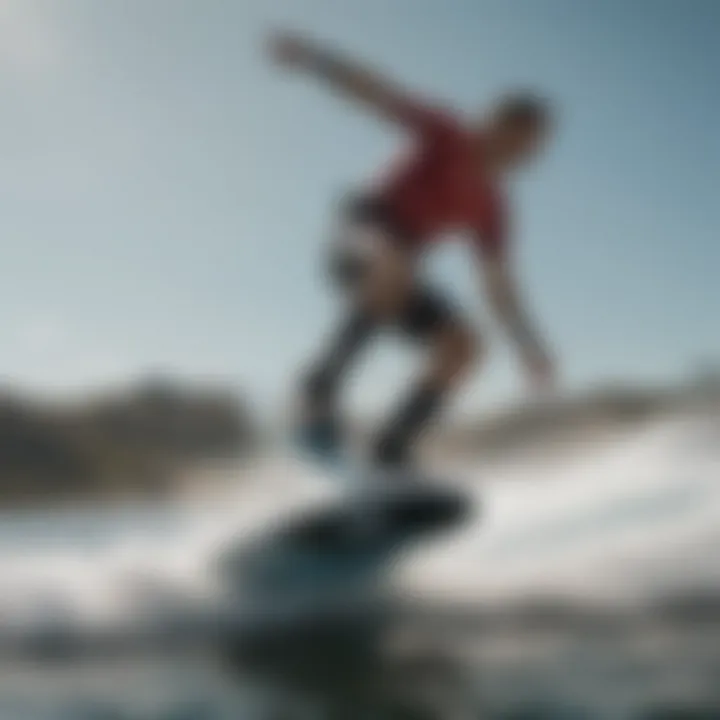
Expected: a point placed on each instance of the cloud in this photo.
(30, 42)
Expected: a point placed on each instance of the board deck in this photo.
(344, 546)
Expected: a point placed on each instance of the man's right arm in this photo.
(353, 80)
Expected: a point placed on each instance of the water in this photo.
(544, 603)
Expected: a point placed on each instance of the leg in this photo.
(452, 350)
(327, 372)
(320, 428)
(374, 276)
(371, 271)
(390, 295)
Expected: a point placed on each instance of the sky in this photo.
(166, 193)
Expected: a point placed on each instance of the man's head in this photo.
(516, 129)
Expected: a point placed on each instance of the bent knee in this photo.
(467, 348)
(461, 351)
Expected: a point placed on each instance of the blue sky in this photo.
(165, 193)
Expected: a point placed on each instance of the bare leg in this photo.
(328, 371)
(452, 352)
(391, 294)
(375, 283)
(386, 294)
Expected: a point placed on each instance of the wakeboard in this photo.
(343, 547)
(346, 547)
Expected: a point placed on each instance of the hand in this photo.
(288, 49)
(540, 369)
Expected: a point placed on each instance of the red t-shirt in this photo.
(440, 186)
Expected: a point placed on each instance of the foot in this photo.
(322, 437)
(391, 455)
(318, 430)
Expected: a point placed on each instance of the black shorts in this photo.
(428, 309)
(358, 217)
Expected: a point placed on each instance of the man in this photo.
(452, 180)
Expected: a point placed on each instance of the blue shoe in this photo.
(322, 438)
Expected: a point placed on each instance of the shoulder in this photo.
(435, 121)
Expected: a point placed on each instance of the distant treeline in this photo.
(115, 443)
(141, 438)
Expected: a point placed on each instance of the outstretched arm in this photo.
(507, 304)
(349, 78)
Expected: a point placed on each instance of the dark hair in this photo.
(524, 108)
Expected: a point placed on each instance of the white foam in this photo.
(629, 518)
